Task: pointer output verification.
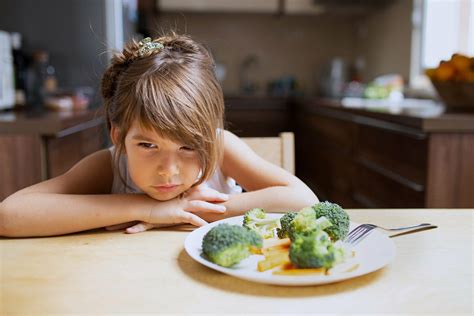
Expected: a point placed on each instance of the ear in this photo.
(114, 134)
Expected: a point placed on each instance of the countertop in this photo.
(436, 119)
(47, 123)
(98, 272)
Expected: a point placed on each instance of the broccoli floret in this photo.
(285, 222)
(338, 218)
(227, 245)
(306, 222)
(313, 250)
(341, 252)
(256, 220)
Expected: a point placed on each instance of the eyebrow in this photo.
(142, 137)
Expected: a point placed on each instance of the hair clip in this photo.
(147, 45)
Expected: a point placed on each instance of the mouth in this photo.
(166, 187)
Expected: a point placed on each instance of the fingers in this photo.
(207, 194)
(202, 206)
(140, 227)
(120, 226)
(195, 220)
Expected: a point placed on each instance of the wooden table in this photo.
(110, 272)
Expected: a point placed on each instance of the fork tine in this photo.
(356, 239)
(355, 232)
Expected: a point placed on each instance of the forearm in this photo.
(46, 214)
(272, 199)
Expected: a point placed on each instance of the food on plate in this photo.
(256, 219)
(327, 216)
(315, 250)
(292, 271)
(273, 260)
(337, 216)
(227, 245)
(306, 222)
(285, 221)
(298, 243)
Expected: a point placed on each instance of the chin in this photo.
(163, 196)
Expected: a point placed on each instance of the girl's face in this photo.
(160, 167)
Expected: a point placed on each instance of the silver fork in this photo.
(363, 230)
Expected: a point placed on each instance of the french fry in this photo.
(256, 251)
(273, 261)
(275, 250)
(274, 242)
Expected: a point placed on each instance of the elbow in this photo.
(310, 199)
(3, 220)
(5, 217)
(306, 197)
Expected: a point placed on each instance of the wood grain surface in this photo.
(99, 272)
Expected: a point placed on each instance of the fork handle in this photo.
(412, 229)
(407, 227)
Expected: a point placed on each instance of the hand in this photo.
(200, 199)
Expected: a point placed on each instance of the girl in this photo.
(171, 162)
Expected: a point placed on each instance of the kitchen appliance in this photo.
(7, 87)
(333, 78)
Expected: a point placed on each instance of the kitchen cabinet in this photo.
(251, 6)
(39, 146)
(290, 7)
(364, 159)
(303, 7)
(258, 116)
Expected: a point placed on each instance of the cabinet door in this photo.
(324, 156)
(251, 6)
(20, 163)
(64, 152)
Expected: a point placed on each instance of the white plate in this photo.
(373, 253)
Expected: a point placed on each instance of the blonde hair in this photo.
(171, 90)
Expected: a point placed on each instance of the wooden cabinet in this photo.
(362, 160)
(251, 6)
(258, 117)
(36, 148)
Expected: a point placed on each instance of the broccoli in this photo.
(314, 250)
(306, 222)
(338, 218)
(256, 220)
(285, 222)
(227, 245)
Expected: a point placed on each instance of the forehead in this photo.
(138, 131)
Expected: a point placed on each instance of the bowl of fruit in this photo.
(454, 81)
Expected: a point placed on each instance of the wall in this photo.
(386, 40)
(286, 45)
(72, 31)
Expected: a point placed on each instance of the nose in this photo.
(167, 166)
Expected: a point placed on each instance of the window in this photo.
(448, 28)
(441, 28)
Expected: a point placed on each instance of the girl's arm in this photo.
(75, 201)
(80, 200)
(269, 187)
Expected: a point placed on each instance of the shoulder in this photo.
(97, 167)
(232, 141)
(234, 148)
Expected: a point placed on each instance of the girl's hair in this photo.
(171, 90)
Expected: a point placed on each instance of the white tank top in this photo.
(217, 181)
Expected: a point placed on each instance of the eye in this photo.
(147, 145)
(186, 148)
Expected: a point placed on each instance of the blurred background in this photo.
(379, 93)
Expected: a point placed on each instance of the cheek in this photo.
(191, 169)
(138, 167)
